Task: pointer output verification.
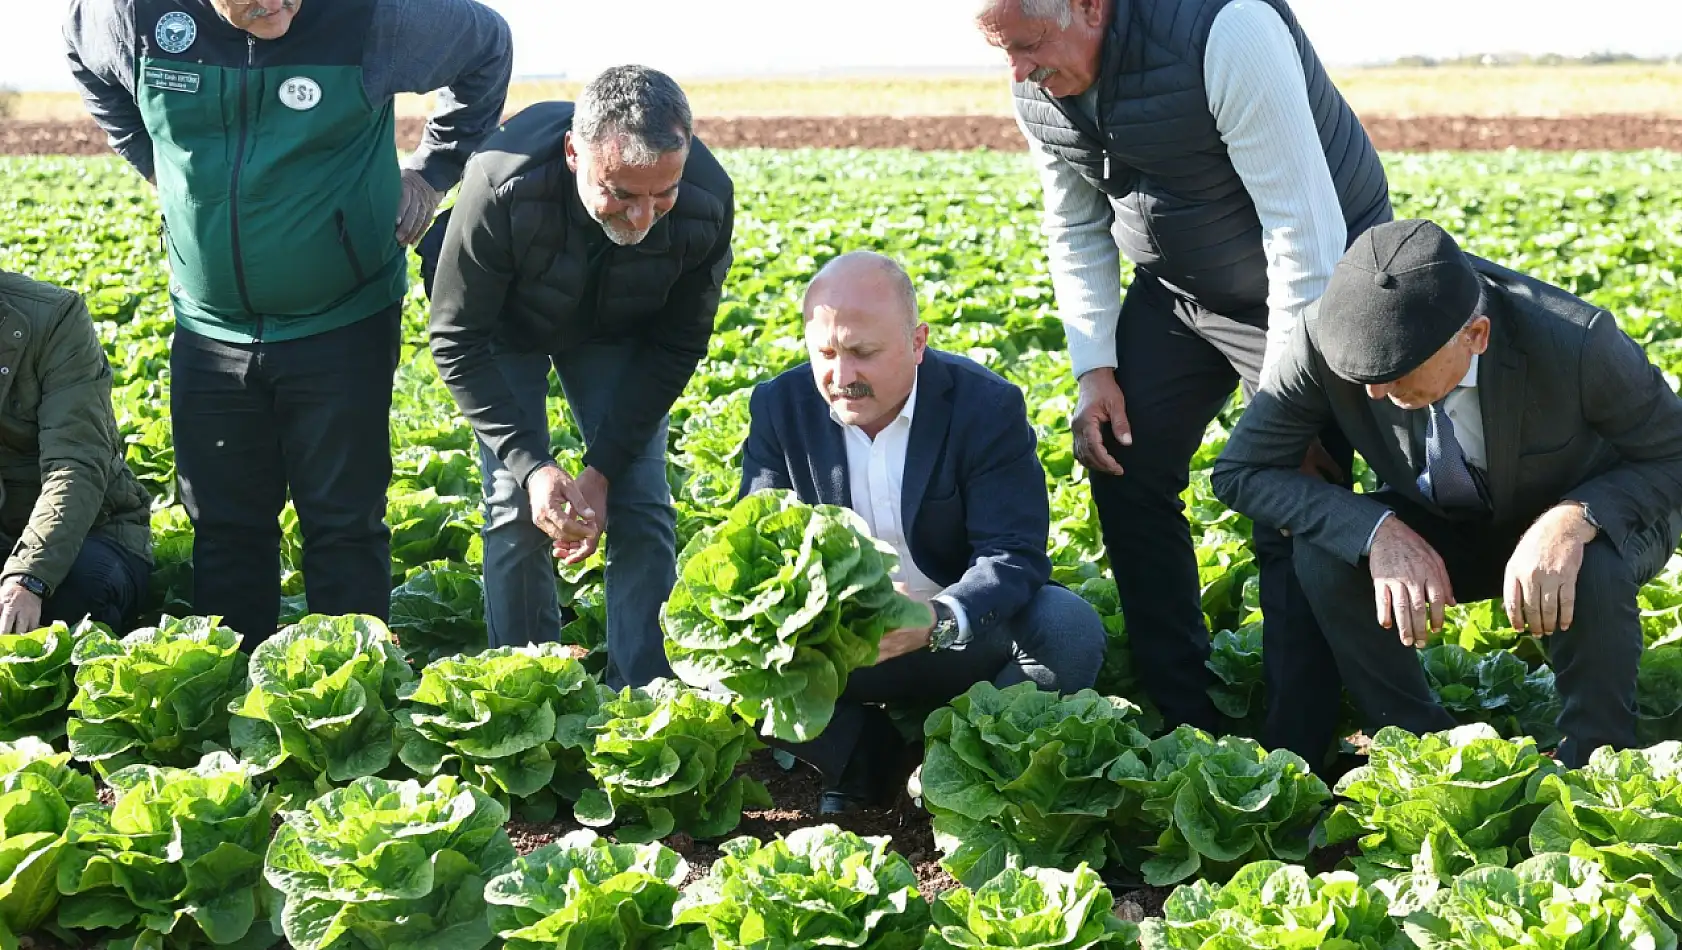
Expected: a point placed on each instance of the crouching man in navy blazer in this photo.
(935, 452)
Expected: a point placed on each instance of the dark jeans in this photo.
(521, 603)
(254, 420)
(1056, 642)
(1594, 662)
(105, 584)
(1178, 366)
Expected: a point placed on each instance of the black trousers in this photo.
(106, 584)
(1594, 662)
(1178, 365)
(254, 420)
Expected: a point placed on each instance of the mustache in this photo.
(285, 6)
(1042, 74)
(855, 391)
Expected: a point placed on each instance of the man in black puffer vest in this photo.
(595, 238)
(1203, 140)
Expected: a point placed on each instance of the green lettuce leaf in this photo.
(1031, 909)
(1449, 799)
(36, 681)
(158, 696)
(777, 605)
(514, 721)
(1273, 904)
(819, 886)
(320, 708)
(1026, 777)
(381, 865)
(1624, 811)
(38, 789)
(1549, 902)
(177, 861)
(584, 891)
(1221, 804)
(664, 759)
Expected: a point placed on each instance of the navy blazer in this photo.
(975, 509)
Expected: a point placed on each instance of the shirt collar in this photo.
(1471, 380)
(906, 413)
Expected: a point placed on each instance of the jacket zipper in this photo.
(233, 198)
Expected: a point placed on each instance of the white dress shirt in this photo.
(1258, 97)
(875, 476)
(1465, 410)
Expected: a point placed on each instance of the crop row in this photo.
(394, 789)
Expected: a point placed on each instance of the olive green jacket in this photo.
(62, 474)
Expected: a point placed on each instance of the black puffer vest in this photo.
(1182, 213)
(572, 285)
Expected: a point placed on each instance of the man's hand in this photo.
(1409, 582)
(905, 640)
(1100, 402)
(592, 487)
(1541, 582)
(1318, 463)
(560, 510)
(897, 643)
(420, 203)
(20, 610)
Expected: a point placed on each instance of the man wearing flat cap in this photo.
(1527, 449)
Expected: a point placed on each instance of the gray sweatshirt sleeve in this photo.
(1259, 99)
(461, 48)
(99, 43)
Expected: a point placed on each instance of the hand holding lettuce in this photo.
(777, 604)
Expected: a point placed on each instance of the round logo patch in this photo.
(301, 93)
(176, 32)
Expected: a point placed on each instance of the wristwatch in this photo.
(29, 583)
(945, 631)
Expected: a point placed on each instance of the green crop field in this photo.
(1175, 809)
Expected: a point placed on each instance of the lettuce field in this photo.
(351, 784)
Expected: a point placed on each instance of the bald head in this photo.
(864, 337)
(864, 279)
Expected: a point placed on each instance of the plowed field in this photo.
(1616, 132)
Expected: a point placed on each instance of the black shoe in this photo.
(875, 772)
(834, 802)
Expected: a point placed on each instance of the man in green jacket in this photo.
(73, 518)
(268, 127)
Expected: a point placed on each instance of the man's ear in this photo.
(1478, 333)
(1091, 12)
(920, 341)
(571, 153)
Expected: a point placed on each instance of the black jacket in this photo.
(522, 264)
(1572, 409)
(974, 502)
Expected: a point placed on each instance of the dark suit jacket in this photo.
(974, 501)
(1572, 410)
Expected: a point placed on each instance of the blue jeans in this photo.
(521, 603)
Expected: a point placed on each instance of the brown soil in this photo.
(1455, 133)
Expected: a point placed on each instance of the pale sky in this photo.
(736, 37)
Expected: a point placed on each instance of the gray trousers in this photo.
(1057, 642)
(521, 603)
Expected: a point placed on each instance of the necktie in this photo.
(1447, 479)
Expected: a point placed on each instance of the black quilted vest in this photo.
(1182, 213)
(572, 285)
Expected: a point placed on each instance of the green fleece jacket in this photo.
(62, 474)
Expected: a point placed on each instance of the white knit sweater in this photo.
(1259, 99)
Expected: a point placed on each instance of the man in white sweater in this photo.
(1203, 140)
